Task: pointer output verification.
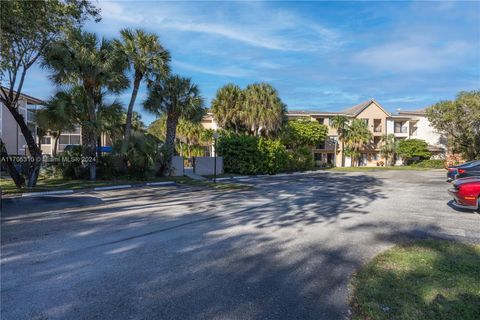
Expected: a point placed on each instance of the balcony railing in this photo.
(377, 129)
(401, 129)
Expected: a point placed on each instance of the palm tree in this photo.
(82, 59)
(356, 137)
(389, 148)
(148, 59)
(56, 117)
(176, 97)
(264, 111)
(340, 123)
(227, 107)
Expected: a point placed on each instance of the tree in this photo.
(409, 149)
(148, 59)
(82, 59)
(227, 107)
(389, 148)
(460, 121)
(340, 123)
(28, 27)
(304, 133)
(264, 110)
(356, 137)
(56, 118)
(176, 97)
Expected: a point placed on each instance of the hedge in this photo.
(433, 164)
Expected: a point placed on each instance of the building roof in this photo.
(30, 99)
(307, 112)
(419, 112)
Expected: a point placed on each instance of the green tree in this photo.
(56, 118)
(409, 149)
(148, 59)
(389, 148)
(28, 27)
(176, 97)
(460, 121)
(264, 110)
(304, 132)
(82, 59)
(357, 136)
(227, 107)
(341, 123)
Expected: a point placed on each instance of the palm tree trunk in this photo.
(128, 125)
(55, 144)
(89, 151)
(343, 153)
(169, 149)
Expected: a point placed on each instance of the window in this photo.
(321, 120)
(375, 157)
(46, 140)
(74, 139)
(64, 139)
(399, 127)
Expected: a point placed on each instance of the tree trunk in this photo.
(35, 152)
(17, 178)
(169, 148)
(343, 153)
(128, 125)
(55, 145)
(99, 147)
(89, 150)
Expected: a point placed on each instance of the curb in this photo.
(46, 193)
(123, 186)
(161, 183)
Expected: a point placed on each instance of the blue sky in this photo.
(319, 55)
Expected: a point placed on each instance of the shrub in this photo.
(413, 149)
(433, 164)
(300, 158)
(251, 155)
(273, 156)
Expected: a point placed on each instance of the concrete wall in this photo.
(177, 166)
(205, 165)
(10, 132)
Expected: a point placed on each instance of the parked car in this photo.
(468, 171)
(466, 192)
(452, 171)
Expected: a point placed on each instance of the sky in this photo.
(324, 56)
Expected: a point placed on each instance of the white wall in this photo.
(427, 133)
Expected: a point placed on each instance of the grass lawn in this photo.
(363, 169)
(50, 184)
(427, 279)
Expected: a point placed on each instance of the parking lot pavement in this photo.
(282, 250)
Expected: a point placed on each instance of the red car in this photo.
(466, 193)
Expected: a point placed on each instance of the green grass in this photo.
(51, 184)
(421, 280)
(366, 169)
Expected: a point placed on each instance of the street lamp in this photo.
(215, 138)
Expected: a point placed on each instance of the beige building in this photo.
(404, 125)
(10, 131)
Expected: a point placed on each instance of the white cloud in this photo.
(417, 55)
(234, 72)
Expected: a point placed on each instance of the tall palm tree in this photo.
(56, 117)
(227, 107)
(340, 123)
(357, 135)
(264, 111)
(148, 59)
(389, 148)
(176, 97)
(82, 59)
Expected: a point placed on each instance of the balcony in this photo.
(377, 129)
(403, 129)
(30, 116)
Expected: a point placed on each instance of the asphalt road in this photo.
(283, 250)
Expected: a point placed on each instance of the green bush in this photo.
(433, 164)
(273, 156)
(300, 158)
(412, 150)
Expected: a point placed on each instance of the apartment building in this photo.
(404, 125)
(10, 131)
